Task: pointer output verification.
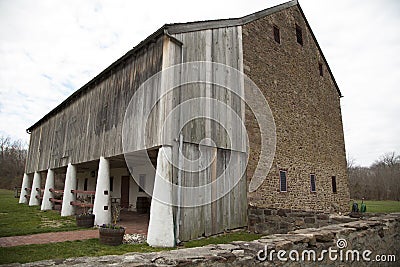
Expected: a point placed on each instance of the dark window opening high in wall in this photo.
(299, 34)
(277, 35)
(321, 69)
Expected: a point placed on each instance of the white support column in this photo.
(70, 184)
(102, 199)
(161, 226)
(24, 192)
(46, 203)
(34, 200)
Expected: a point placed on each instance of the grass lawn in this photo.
(93, 248)
(62, 250)
(384, 206)
(20, 219)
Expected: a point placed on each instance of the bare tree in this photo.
(351, 162)
(389, 159)
(12, 162)
(4, 144)
(379, 181)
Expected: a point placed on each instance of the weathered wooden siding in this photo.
(149, 111)
(91, 125)
(219, 45)
(228, 212)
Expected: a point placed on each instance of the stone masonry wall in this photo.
(380, 235)
(280, 221)
(306, 110)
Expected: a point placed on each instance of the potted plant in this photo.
(85, 219)
(112, 234)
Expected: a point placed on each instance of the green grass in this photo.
(20, 219)
(377, 206)
(62, 250)
(93, 248)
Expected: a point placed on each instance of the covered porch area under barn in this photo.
(104, 187)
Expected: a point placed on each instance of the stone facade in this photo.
(281, 221)
(306, 110)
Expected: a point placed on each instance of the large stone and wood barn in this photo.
(83, 139)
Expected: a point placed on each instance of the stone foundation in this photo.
(378, 234)
(280, 221)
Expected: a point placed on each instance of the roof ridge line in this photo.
(175, 28)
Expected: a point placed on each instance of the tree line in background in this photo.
(12, 162)
(380, 181)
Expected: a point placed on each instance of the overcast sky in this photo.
(49, 49)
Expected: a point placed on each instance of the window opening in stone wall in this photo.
(312, 182)
(299, 34)
(283, 181)
(334, 189)
(277, 35)
(321, 69)
(111, 183)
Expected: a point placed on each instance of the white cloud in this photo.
(48, 49)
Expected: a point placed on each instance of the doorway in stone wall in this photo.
(125, 191)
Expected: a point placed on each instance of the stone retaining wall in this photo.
(380, 235)
(280, 221)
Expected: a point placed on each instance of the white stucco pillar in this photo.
(24, 192)
(102, 199)
(70, 184)
(46, 203)
(161, 226)
(34, 200)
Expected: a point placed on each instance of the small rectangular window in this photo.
(283, 181)
(312, 182)
(334, 189)
(299, 34)
(321, 69)
(277, 35)
(111, 183)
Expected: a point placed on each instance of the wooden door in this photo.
(125, 191)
